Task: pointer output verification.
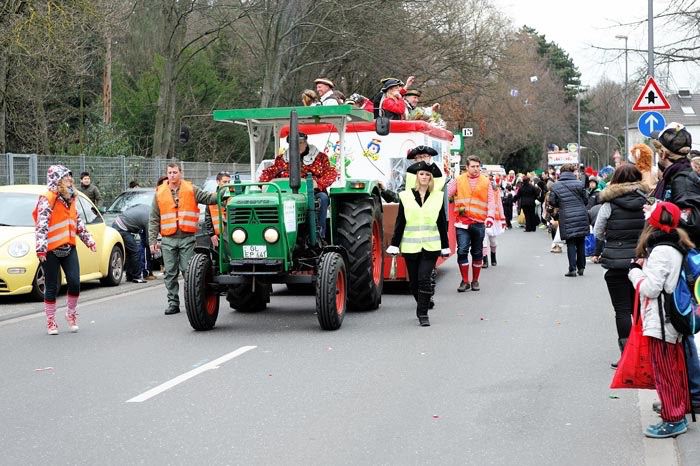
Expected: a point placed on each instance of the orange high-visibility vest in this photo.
(472, 204)
(185, 216)
(63, 222)
(214, 211)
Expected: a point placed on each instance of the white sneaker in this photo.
(51, 326)
(72, 322)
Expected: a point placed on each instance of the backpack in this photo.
(682, 306)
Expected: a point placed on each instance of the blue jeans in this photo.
(133, 269)
(691, 360)
(576, 253)
(324, 202)
(470, 238)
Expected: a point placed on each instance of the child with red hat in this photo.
(660, 252)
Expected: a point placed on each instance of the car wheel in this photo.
(39, 283)
(115, 269)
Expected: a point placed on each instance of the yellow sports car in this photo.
(19, 267)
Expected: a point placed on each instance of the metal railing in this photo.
(111, 175)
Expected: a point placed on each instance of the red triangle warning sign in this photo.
(651, 98)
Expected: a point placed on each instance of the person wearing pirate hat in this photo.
(417, 154)
(392, 104)
(377, 99)
(420, 234)
(325, 90)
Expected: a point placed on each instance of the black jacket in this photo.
(624, 225)
(569, 194)
(527, 195)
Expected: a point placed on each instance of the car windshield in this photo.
(17, 209)
(130, 198)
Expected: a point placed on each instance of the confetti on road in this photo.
(435, 416)
(41, 369)
(614, 397)
(482, 318)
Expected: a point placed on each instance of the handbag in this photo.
(521, 217)
(382, 125)
(634, 368)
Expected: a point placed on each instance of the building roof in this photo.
(684, 109)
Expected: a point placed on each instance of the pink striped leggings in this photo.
(671, 386)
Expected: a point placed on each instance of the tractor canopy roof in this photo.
(277, 115)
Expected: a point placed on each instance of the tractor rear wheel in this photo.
(201, 301)
(331, 291)
(360, 232)
(243, 299)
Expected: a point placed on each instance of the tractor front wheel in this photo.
(331, 291)
(201, 301)
(243, 299)
(360, 233)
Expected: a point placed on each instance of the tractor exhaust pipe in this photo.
(294, 159)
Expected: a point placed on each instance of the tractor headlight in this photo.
(18, 249)
(271, 235)
(239, 236)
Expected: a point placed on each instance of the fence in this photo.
(111, 175)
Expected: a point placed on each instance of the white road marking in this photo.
(188, 375)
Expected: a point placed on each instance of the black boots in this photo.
(485, 263)
(493, 259)
(423, 300)
(621, 342)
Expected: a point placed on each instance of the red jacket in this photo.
(321, 170)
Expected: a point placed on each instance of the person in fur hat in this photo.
(643, 157)
(619, 223)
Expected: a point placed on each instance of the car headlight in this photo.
(18, 249)
(239, 236)
(271, 235)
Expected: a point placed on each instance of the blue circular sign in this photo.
(650, 122)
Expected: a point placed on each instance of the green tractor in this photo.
(270, 233)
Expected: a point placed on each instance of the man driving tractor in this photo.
(314, 162)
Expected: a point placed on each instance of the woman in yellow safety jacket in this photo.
(420, 234)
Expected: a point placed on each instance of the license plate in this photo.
(254, 252)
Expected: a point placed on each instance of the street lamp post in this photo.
(579, 89)
(607, 143)
(627, 107)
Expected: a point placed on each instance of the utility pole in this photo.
(627, 107)
(650, 52)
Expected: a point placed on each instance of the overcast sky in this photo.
(578, 27)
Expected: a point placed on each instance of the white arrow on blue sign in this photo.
(650, 122)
